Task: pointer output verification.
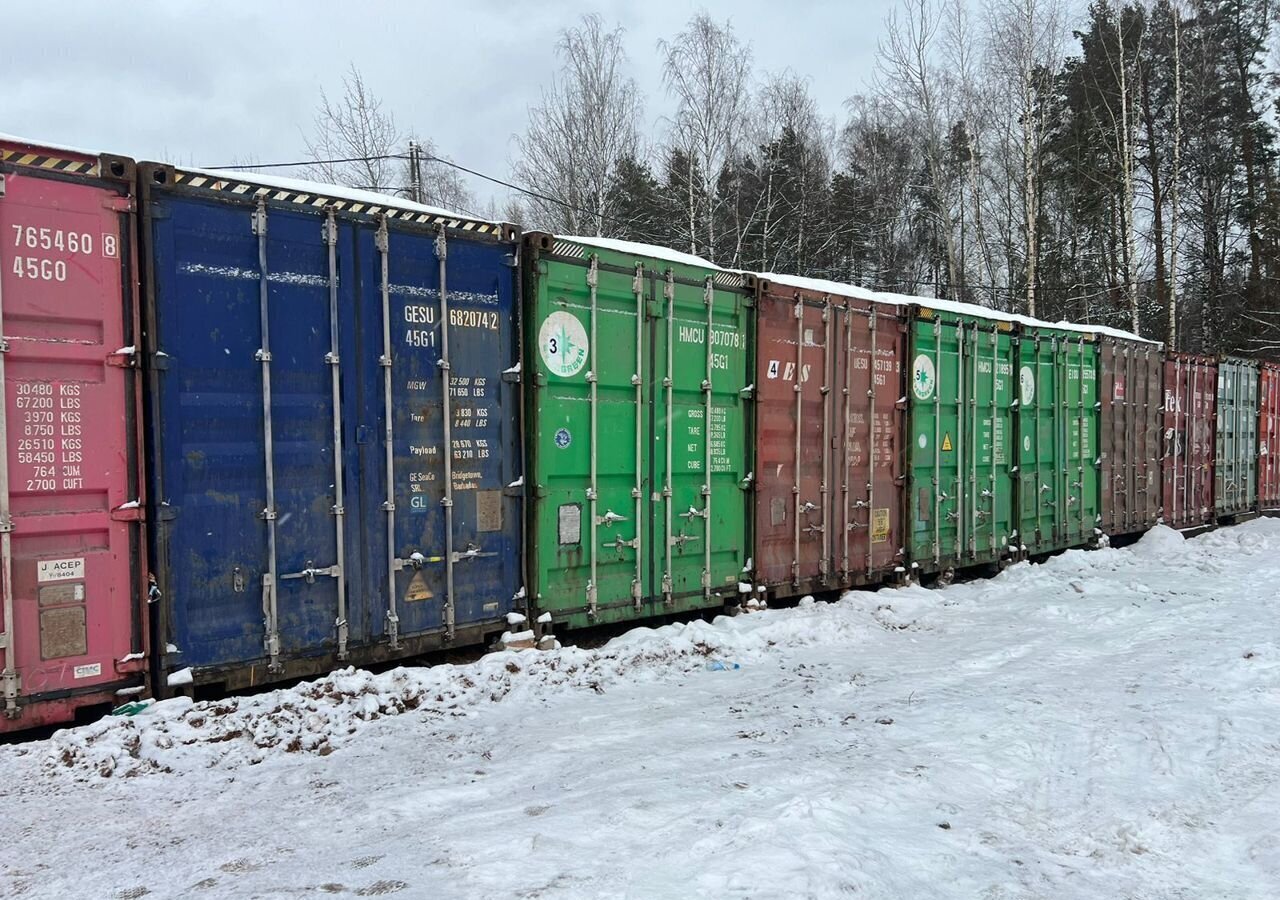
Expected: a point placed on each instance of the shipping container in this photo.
(1235, 491)
(639, 430)
(1057, 434)
(1190, 403)
(1269, 436)
(74, 583)
(333, 423)
(829, 458)
(961, 429)
(1131, 392)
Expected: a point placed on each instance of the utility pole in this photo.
(415, 172)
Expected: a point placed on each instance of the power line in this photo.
(309, 162)
(427, 156)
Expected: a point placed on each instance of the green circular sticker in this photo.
(563, 343)
(923, 378)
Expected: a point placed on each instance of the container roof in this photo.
(634, 249)
(967, 309)
(341, 192)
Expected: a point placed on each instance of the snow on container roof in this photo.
(821, 285)
(45, 145)
(341, 192)
(968, 309)
(634, 249)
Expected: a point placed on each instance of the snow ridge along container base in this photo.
(334, 424)
(74, 568)
(639, 430)
(961, 490)
(1131, 393)
(829, 489)
(1190, 404)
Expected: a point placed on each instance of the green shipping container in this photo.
(961, 481)
(1057, 433)
(1235, 468)
(639, 383)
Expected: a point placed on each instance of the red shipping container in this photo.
(73, 610)
(829, 425)
(1131, 389)
(1269, 436)
(1190, 410)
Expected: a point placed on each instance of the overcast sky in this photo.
(181, 82)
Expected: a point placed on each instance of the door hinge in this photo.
(129, 512)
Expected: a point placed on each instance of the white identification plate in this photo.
(59, 569)
(90, 671)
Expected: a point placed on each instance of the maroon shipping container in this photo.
(1131, 391)
(829, 425)
(1190, 410)
(1269, 436)
(73, 611)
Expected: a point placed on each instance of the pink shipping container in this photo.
(1269, 436)
(73, 608)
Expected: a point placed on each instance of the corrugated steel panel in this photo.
(74, 628)
(1131, 393)
(1269, 436)
(829, 456)
(298, 427)
(640, 432)
(961, 433)
(1190, 404)
(1236, 437)
(1057, 434)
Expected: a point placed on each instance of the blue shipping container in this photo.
(305, 511)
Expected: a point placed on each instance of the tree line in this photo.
(1115, 163)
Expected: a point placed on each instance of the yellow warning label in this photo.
(417, 589)
(879, 525)
(946, 442)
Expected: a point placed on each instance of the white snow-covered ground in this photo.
(1106, 725)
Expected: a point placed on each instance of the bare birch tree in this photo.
(1025, 40)
(706, 70)
(910, 79)
(587, 121)
(354, 141)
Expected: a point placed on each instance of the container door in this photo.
(442, 511)
(988, 436)
(866, 484)
(795, 442)
(68, 483)
(593, 427)
(704, 428)
(1041, 458)
(936, 537)
(1079, 423)
(246, 435)
(1269, 436)
(1130, 425)
(1189, 440)
(1236, 439)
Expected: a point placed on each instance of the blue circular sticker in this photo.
(563, 438)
